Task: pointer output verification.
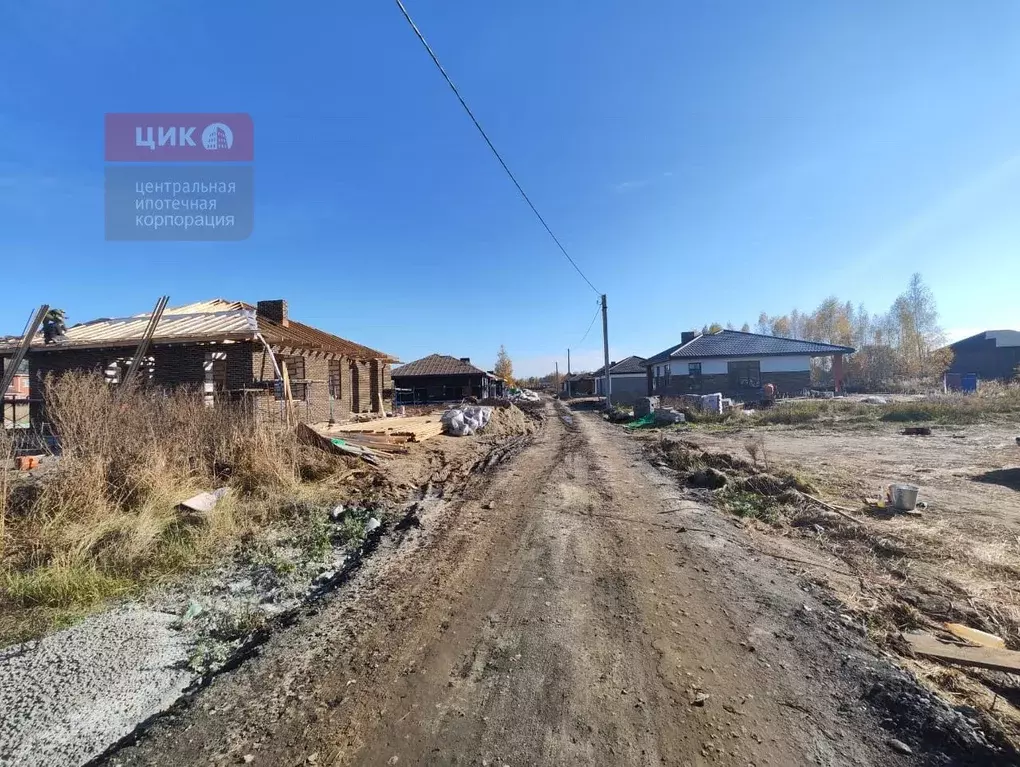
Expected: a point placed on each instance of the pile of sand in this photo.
(508, 422)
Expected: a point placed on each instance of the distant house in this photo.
(627, 380)
(441, 378)
(989, 355)
(578, 385)
(738, 364)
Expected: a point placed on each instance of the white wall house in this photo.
(737, 364)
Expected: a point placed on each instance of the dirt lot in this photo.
(563, 601)
(957, 561)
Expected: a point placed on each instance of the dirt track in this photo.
(582, 619)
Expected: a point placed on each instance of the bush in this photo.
(107, 514)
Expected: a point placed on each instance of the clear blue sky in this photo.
(701, 161)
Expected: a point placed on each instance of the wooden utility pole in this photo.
(569, 387)
(605, 351)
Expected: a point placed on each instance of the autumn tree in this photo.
(905, 341)
(504, 367)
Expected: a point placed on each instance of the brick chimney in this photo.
(688, 335)
(276, 311)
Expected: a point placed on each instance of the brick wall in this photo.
(247, 366)
(43, 363)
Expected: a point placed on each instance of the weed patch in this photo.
(106, 518)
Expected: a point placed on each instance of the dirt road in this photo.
(566, 607)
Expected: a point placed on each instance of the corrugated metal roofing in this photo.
(203, 321)
(736, 343)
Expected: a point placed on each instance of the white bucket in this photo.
(903, 497)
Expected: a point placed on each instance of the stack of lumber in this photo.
(308, 436)
(394, 431)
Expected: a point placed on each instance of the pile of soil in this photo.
(509, 422)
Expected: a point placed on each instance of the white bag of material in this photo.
(466, 419)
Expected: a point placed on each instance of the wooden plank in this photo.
(976, 636)
(981, 657)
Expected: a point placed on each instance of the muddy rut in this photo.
(566, 605)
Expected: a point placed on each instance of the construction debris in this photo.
(203, 503)
(411, 428)
(644, 406)
(668, 415)
(308, 436)
(976, 636)
(992, 658)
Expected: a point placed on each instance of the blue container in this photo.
(969, 381)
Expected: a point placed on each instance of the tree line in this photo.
(906, 341)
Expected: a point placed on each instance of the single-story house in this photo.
(627, 380)
(738, 364)
(231, 351)
(578, 385)
(989, 355)
(441, 378)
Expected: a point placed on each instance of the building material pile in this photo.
(466, 419)
(388, 435)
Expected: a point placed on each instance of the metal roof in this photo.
(736, 343)
(203, 321)
(438, 365)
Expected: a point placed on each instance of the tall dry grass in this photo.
(993, 401)
(106, 516)
(6, 456)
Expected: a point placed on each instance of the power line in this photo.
(463, 103)
(597, 312)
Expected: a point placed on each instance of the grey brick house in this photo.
(225, 349)
(738, 364)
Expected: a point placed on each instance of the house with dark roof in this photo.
(229, 350)
(993, 354)
(738, 364)
(627, 380)
(441, 378)
(578, 385)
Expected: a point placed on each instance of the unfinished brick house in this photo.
(229, 350)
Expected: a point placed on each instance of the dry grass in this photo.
(994, 401)
(106, 518)
(6, 456)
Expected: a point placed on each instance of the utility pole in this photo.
(556, 377)
(569, 387)
(605, 351)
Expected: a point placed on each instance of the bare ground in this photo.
(957, 561)
(564, 602)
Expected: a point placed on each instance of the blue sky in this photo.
(701, 161)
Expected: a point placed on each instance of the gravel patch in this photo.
(65, 698)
